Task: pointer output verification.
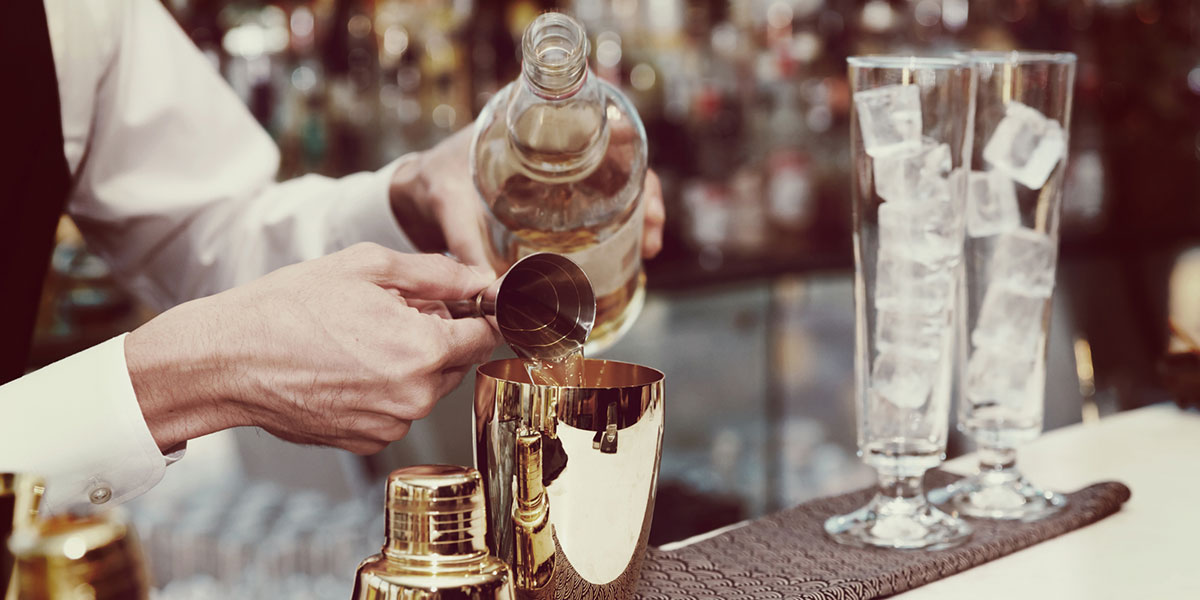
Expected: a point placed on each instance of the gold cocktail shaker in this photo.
(20, 496)
(66, 558)
(434, 547)
(570, 475)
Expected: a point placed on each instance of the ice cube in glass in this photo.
(918, 335)
(1009, 321)
(991, 204)
(910, 286)
(889, 118)
(898, 174)
(1024, 260)
(999, 375)
(1026, 145)
(903, 379)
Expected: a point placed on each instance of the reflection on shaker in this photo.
(598, 503)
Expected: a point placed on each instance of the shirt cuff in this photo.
(365, 214)
(78, 424)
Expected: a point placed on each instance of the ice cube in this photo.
(909, 286)
(999, 376)
(889, 118)
(928, 229)
(1026, 145)
(898, 174)
(935, 190)
(991, 204)
(917, 335)
(902, 379)
(1024, 260)
(1009, 321)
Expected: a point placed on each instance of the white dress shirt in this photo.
(173, 183)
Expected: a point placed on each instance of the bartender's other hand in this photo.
(436, 203)
(338, 351)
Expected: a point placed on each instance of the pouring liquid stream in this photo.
(565, 371)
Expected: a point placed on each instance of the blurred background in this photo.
(750, 314)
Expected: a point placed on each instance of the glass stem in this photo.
(997, 465)
(900, 494)
(898, 486)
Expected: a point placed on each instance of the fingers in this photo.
(463, 225)
(655, 216)
(435, 308)
(451, 378)
(419, 276)
(467, 341)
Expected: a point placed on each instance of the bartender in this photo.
(301, 307)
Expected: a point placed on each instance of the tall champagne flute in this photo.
(910, 134)
(1014, 199)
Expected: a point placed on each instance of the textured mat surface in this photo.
(788, 555)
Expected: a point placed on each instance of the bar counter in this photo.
(1143, 551)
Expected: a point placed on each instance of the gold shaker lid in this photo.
(435, 513)
(95, 553)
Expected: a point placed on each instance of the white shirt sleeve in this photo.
(175, 180)
(173, 184)
(78, 424)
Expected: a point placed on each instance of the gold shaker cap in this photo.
(435, 513)
(96, 552)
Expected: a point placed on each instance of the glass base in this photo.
(999, 491)
(1010, 498)
(904, 521)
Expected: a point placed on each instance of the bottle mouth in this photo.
(554, 55)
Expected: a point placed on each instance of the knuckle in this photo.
(416, 403)
(424, 406)
(420, 404)
(434, 350)
(365, 447)
(485, 348)
(398, 431)
(372, 257)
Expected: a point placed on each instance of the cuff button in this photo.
(100, 495)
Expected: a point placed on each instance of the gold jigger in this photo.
(570, 475)
(543, 305)
(67, 558)
(434, 547)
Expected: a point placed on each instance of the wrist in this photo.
(179, 376)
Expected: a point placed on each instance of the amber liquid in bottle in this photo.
(559, 158)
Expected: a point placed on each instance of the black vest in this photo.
(34, 177)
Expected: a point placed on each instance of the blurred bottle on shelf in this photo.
(790, 200)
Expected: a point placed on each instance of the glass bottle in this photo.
(559, 158)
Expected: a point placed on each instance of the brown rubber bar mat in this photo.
(788, 555)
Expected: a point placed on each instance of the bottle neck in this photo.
(556, 114)
(554, 53)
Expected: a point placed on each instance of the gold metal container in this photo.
(86, 558)
(434, 547)
(20, 496)
(570, 475)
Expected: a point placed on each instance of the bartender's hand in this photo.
(435, 201)
(334, 351)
